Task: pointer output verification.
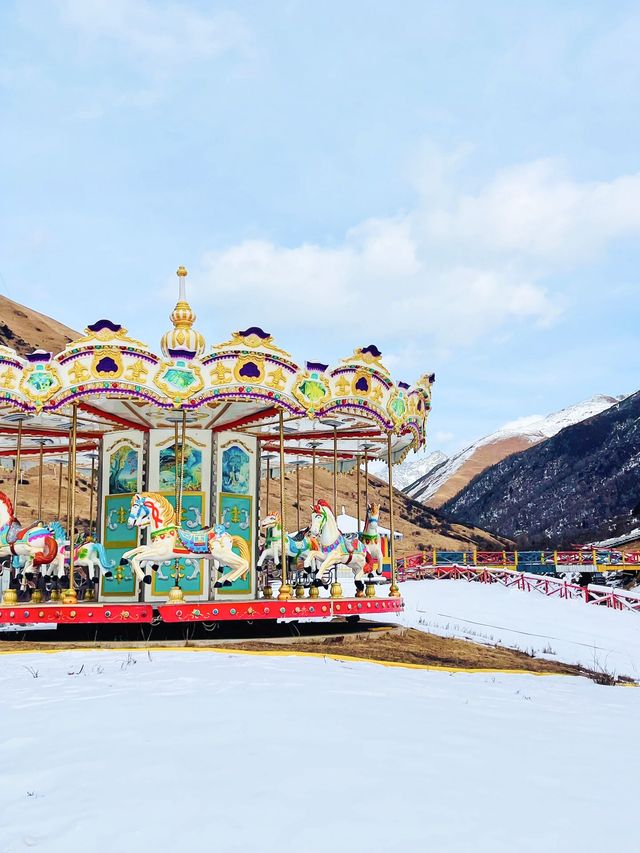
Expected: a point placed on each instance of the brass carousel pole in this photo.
(93, 471)
(176, 439)
(358, 489)
(268, 484)
(40, 472)
(176, 594)
(60, 464)
(394, 592)
(335, 471)
(17, 477)
(366, 478)
(70, 596)
(285, 590)
(297, 495)
(313, 474)
(183, 445)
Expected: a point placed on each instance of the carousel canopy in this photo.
(117, 382)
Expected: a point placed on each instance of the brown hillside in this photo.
(484, 457)
(25, 330)
(422, 527)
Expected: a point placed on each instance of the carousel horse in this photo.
(89, 556)
(168, 541)
(369, 536)
(298, 544)
(335, 549)
(31, 547)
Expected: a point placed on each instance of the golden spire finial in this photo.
(183, 318)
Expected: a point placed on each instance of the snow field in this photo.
(110, 751)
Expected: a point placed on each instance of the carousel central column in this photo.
(70, 596)
(285, 590)
(394, 592)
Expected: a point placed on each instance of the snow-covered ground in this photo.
(199, 750)
(184, 750)
(571, 631)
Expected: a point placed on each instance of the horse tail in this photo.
(48, 554)
(243, 546)
(102, 556)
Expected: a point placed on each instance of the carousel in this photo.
(181, 444)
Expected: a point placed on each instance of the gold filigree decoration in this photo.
(377, 393)
(252, 341)
(110, 353)
(342, 386)
(40, 382)
(221, 374)
(137, 372)
(311, 390)
(78, 372)
(8, 377)
(361, 375)
(277, 379)
(105, 336)
(177, 382)
(359, 355)
(255, 358)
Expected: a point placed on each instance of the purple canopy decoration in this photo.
(255, 330)
(39, 355)
(104, 324)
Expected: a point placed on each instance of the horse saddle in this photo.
(195, 541)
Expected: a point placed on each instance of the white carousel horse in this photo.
(168, 541)
(89, 556)
(334, 549)
(297, 545)
(35, 545)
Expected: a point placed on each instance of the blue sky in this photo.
(457, 183)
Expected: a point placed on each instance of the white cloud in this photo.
(460, 264)
(163, 34)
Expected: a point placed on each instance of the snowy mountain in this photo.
(435, 478)
(577, 486)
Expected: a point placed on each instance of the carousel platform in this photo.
(195, 611)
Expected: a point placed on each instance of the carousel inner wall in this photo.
(220, 482)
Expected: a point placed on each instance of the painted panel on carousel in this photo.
(123, 470)
(192, 473)
(117, 538)
(236, 478)
(235, 514)
(236, 471)
(189, 569)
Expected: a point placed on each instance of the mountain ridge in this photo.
(447, 476)
(578, 485)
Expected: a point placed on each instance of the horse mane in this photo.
(166, 510)
(322, 502)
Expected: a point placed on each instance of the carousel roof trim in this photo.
(106, 364)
